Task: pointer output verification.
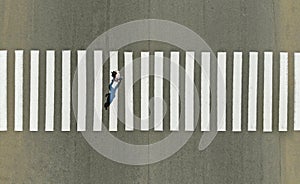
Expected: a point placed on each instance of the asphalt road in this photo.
(233, 25)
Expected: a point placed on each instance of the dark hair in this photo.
(113, 74)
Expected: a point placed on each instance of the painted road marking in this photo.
(34, 90)
(144, 91)
(50, 69)
(237, 92)
(174, 91)
(3, 90)
(205, 91)
(129, 118)
(252, 91)
(98, 86)
(283, 91)
(81, 99)
(268, 92)
(113, 109)
(66, 91)
(297, 92)
(221, 95)
(158, 91)
(19, 90)
(189, 91)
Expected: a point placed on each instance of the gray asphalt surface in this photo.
(55, 157)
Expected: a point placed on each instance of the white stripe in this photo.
(98, 86)
(34, 90)
(3, 90)
(66, 90)
(144, 91)
(174, 92)
(129, 121)
(113, 109)
(268, 91)
(81, 114)
(297, 92)
(252, 96)
(19, 90)
(205, 91)
(50, 69)
(189, 91)
(283, 91)
(158, 91)
(221, 91)
(237, 91)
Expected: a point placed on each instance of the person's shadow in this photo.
(113, 87)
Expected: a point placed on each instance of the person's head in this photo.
(114, 74)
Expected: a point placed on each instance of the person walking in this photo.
(113, 86)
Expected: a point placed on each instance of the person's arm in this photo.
(118, 84)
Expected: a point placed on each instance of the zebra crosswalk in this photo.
(158, 113)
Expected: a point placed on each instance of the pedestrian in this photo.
(113, 86)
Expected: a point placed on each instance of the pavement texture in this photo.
(233, 25)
